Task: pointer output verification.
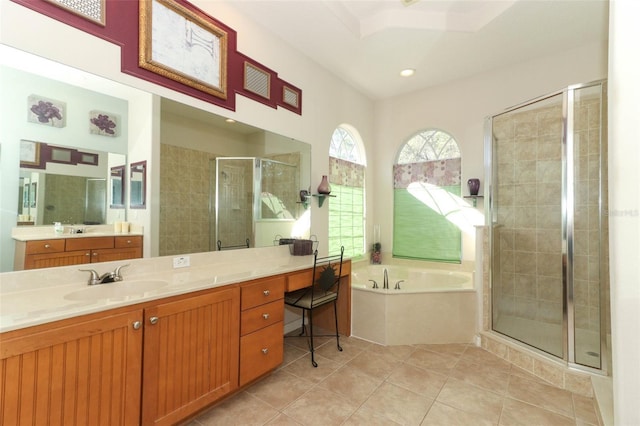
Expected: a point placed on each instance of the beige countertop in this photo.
(34, 233)
(39, 296)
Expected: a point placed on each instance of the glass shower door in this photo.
(527, 279)
(589, 228)
(234, 201)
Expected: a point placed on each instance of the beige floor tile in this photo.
(320, 407)
(394, 353)
(280, 389)
(365, 416)
(241, 410)
(519, 413)
(354, 385)
(302, 367)
(292, 353)
(356, 342)
(418, 380)
(482, 376)
(443, 415)
(439, 362)
(399, 404)
(471, 399)
(303, 342)
(541, 395)
(283, 420)
(482, 357)
(448, 348)
(375, 366)
(524, 374)
(330, 350)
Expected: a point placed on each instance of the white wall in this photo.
(624, 205)
(459, 108)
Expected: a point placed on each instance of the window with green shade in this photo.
(426, 199)
(346, 209)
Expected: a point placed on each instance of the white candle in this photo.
(117, 227)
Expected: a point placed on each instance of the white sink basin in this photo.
(117, 290)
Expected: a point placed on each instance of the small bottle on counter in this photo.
(58, 228)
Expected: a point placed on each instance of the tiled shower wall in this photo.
(184, 200)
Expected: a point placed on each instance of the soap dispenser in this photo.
(58, 228)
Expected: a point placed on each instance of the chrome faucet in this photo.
(385, 282)
(107, 277)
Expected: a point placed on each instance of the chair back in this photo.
(326, 274)
(232, 247)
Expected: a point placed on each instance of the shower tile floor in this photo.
(369, 384)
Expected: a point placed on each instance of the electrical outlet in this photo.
(181, 262)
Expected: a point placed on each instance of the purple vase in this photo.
(474, 186)
(324, 187)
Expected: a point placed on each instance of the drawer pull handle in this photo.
(128, 241)
(47, 246)
(265, 351)
(266, 292)
(137, 325)
(265, 316)
(153, 320)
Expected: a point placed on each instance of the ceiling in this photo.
(368, 42)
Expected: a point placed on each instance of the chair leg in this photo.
(303, 330)
(335, 313)
(311, 348)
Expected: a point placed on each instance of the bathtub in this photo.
(432, 305)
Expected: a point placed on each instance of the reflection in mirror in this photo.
(138, 185)
(195, 194)
(66, 186)
(191, 139)
(117, 187)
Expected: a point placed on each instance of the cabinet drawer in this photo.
(261, 316)
(299, 280)
(261, 352)
(126, 242)
(45, 246)
(261, 292)
(89, 243)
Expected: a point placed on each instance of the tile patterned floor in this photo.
(368, 384)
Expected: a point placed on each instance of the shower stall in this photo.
(255, 200)
(548, 225)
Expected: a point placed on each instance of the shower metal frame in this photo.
(567, 211)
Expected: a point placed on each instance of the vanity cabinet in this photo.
(74, 251)
(74, 372)
(262, 327)
(190, 354)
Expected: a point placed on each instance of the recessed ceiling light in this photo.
(407, 72)
(230, 120)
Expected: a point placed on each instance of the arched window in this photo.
(346, 210)
(426, 202)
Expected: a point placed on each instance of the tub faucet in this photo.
(385, 283)
(397, 287)
(375, 284)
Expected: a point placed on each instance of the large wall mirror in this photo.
(190, 142)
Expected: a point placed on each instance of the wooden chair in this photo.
(323, 290)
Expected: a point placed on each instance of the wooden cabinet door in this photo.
(86, 373)
(190, 355)
(110, 255)
(48, 260)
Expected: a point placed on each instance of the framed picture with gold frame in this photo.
(183, 45)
